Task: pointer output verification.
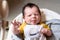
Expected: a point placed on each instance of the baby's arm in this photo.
(46, 30)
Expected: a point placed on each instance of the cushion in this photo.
(54, 24)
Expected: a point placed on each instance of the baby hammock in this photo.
(49, 14)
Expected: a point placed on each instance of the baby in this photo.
(31, 27)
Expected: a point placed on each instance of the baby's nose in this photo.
(33, 15)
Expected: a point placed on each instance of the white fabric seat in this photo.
(46, 16)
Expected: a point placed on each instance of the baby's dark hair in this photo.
(30, 5)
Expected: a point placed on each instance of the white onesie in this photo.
(32, 32)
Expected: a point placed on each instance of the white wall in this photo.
(16, 6)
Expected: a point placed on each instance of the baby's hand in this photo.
(16, 23)
(15, 27)
(46, 32)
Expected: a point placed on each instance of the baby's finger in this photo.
(12, 23)
(19, 23)
(15, 21)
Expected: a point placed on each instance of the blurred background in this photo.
(15, 7)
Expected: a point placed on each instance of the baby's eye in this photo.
(36, 14)
(29, 15)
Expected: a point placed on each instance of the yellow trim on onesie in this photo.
(21, 27)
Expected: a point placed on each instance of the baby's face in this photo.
(32, 16)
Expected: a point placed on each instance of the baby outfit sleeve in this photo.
(21, 27)
(46, 26)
